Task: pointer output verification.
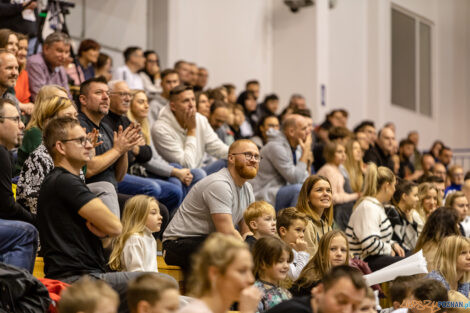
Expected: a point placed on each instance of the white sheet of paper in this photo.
(414, 264)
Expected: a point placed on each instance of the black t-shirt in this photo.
(9, 209)
(69, 247)
(297, 305)
(106, 135)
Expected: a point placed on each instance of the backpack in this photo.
(21, 292)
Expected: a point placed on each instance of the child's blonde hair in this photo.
(455, 296)
(148, 287)
(257, 209)
(84, 295)
(134, 218)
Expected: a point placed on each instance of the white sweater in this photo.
(369, 230)
(175, 146)
(140, 253)
(301, 259)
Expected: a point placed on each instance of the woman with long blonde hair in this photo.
(316, 201)
(429, 200)
(452, 263)
(135, 249)
(333, 250)
(458, 201)
(222, 274)
(369, 230)
(51, 101)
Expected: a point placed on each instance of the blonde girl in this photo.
(316, 201)
(429, 200)
(452, 263)
(135, 250)
(271, 257)
(333, 250)
(458, 201)
(370, 231)
(50, 102)
(139, 111)
(222, 273)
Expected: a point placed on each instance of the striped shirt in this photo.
(369, 230)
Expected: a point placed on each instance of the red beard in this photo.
(246, 172)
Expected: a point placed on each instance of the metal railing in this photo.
(461, 156)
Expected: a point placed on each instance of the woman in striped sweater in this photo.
(369, 230)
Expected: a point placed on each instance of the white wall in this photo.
(294, 53)
(231, 38)
(116, 24)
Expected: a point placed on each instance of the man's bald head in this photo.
(292, 120)
(238, 145)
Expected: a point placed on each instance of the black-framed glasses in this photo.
(250, 156)
(82, 140)
(17, 118)
(121, 94)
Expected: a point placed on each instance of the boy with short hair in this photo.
(89, 296)
(400, 290)
(154, 294)
(291, 226)
(260, 217)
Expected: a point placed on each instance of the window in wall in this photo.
(411, 62)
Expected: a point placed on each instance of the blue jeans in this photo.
(287, 196)
(215, 166)
(18, 244)
(198, 174)
(167, 193)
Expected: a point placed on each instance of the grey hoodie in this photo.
(277, 168)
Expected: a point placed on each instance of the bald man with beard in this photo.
(215, 204)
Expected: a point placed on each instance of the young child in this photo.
(89, 296)
(271, 257)
(153, 293)
(291, 226)
(260, 217)
(400, 290)
(135, 250)
(368, 304)
(333, 250)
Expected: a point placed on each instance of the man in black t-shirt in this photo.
(18, 237)
(342, 290)
(71, 219)
(110, 162)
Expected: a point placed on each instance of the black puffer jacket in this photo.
(21, 292)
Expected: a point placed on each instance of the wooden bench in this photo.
(38, 271)
(173, 271)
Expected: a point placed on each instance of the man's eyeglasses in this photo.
(250, 156)
(122, 94)
(17, 119)
(82, 140)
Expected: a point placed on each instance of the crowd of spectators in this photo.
(106, 162)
